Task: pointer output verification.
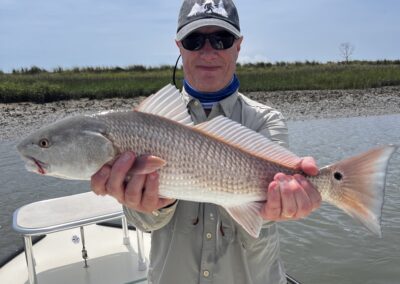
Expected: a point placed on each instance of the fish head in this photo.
(73, 148)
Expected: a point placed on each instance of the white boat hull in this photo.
(59, 259)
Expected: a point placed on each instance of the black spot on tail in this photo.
(338, 176)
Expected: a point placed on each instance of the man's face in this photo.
(208, 69)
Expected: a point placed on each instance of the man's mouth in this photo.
(208, 68)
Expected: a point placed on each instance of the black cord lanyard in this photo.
(173, 75)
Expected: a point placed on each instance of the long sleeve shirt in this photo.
(194, 242)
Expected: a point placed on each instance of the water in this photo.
(330, 247)
(19, 187)
(327, 247)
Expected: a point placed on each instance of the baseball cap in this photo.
(195, 14)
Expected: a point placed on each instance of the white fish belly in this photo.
(196, 194)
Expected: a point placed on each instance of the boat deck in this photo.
(58, 259)
(76, 249)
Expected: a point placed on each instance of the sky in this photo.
(80, 33)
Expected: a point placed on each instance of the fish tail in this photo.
(360, 186)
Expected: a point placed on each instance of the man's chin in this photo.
(210, 82)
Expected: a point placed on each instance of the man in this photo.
(197, 242)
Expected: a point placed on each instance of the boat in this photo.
(80, 239)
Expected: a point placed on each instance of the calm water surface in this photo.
(328, 247)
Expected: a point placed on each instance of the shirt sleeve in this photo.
(263, 119)
(150, 221)
(275, 128)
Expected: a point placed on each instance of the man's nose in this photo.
(208, 50)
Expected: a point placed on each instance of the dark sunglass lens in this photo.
(194, 41)
(222, 40)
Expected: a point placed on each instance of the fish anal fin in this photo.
(248, 216)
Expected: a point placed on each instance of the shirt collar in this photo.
(226, 104)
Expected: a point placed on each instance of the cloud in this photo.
(254, 58)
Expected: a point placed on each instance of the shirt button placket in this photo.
(209, 246)
(197, 112)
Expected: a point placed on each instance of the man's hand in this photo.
(292, 197)
(139, 193)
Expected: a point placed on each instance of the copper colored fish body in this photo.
(199, 167)
(219, 161)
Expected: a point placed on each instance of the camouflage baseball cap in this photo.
(195, 14)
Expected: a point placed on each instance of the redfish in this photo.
(219, 161)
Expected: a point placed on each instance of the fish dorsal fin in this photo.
(246, 139)
(167, 103)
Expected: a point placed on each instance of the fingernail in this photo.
(153, 176)
(274, 187)
(282, 179)
(103, 172)
(126, 156)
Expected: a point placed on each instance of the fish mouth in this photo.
(36, 165)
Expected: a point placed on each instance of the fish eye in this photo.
(44, 143)
(338, 176)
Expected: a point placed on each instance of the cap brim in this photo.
(184, 31)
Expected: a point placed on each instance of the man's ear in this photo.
(179, 45)
(238, 44)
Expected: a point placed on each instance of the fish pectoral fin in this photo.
(248, 216)
(146, 164)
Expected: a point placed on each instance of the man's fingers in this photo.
(139, 192)
(312, 193)
(134, 191)
(116, 183)
(272, 209)
(150, 195)
(287, 187)
(304, 206)
(309, 166)
(99, 179)
(142, 193)
(290, 197)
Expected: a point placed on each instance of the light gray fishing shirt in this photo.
(199, 242)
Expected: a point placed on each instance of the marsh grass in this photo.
(319, 77)
(39, 85)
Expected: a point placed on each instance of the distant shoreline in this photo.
(18, 119)
(318, 104)
(40, 86)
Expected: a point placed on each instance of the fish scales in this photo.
(193, 159)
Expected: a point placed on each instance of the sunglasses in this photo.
(218, 40)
